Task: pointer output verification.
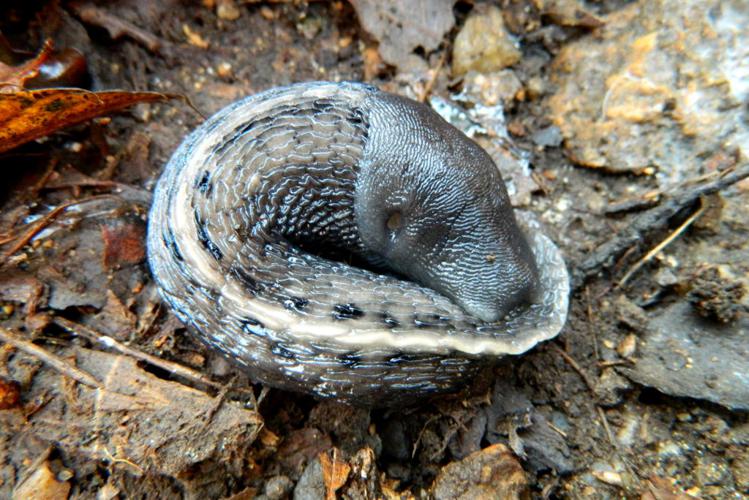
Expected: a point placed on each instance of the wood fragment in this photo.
(430, 83)
(44, 222)
(109, 342)
(603, 257)
(571, 361)
(116, 26)
(48, 358)
(663, 244)
(606, 427)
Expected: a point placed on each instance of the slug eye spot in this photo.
(394, 222)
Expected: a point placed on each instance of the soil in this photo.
(570, 411)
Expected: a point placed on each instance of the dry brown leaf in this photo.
(334, 472)
(28, 115)
(402, 27)
(14, 77)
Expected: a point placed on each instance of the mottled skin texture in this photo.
(257, 202)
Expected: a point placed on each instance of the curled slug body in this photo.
(255, 204)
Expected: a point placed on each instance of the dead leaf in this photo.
(124, 242)
(10, 393)
(42, 484)
(14, 77)
(335, 472)
(402, 27)
(568, 13)
(28, 115)
(659, 488)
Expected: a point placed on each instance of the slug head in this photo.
(431, 205)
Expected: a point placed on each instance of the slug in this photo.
(334, 239)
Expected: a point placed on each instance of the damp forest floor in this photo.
(105, 395)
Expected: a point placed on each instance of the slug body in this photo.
(259, 205)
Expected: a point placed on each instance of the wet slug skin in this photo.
(254, 204)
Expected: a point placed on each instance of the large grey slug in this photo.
(334, 239)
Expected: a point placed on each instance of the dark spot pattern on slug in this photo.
(281, 350)
(389, 320)
(253, 327)
(171, 244)
(347, 311)
(205, 240)
(249, 283)
(322, 105)
(297, 304)
(401, 358)
(204, 184)
(350, 360)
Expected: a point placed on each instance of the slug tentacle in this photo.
(258, 202)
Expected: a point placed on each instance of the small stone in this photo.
(227, 10)
(224, 69)
(548, 137)
(535, 88)
(483, 44)
(42, 484)
(493, 472)
(610, 387)
(516, 128)
(666, 278)
(267, 13)
(278, 487)
(609, 477)
(740, 470)
(10, 393)
(490, 89)
(627, 346)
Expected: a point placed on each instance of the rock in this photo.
(10, 393)
(42, 484)
(662, 84)
(543, 447)
(548, 136)
(568, 13)
(683, 354)
(715, 295)
(401, 27)
(278, 487)
(311, 485)
(483, 44)
(610, 387)
(490, 473)
(490, 89)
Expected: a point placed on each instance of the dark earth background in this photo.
(598, 113)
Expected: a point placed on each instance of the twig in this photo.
(663, 244)
(430, 83)
(591, 329)
(557, 430)
(44, 222)
(116, 26)
(52, 360)
(655, 218)
(576, 367)
(606, 427)
(107, 341)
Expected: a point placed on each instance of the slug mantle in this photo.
(261, 207)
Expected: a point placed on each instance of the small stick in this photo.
(576, 367)
(52, 360)
(603, 256)
(44, 222)
(430, 83)
(663, 244)
(606, 427)
(107, 341)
